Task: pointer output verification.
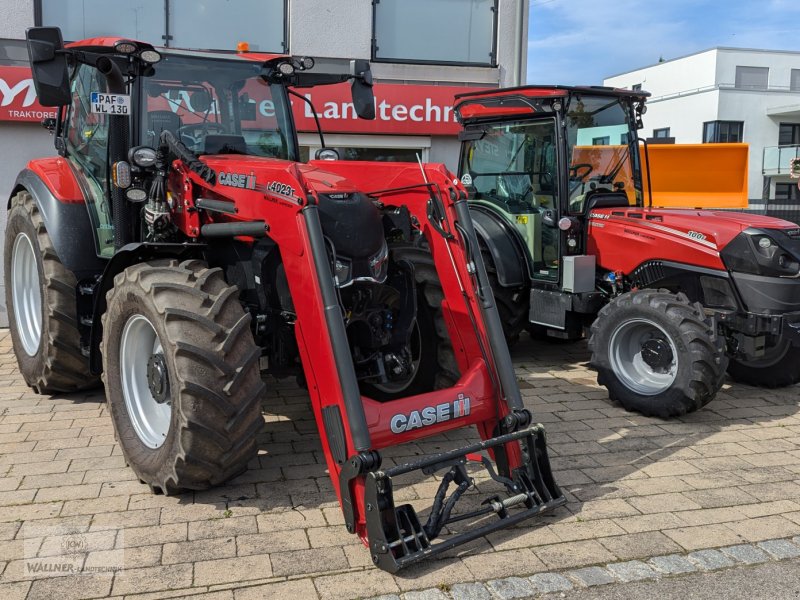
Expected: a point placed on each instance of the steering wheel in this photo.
(573, 170)
(195, 133)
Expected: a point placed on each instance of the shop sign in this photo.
(399, 109)
(18, 96)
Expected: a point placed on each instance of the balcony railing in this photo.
(776, 159)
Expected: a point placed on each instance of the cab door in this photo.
(85, 144)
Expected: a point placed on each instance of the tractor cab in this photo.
(541, 157)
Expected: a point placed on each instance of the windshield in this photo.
(513, 165)
(602, 150)
(217, 106)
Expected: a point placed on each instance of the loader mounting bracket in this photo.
(398, 538)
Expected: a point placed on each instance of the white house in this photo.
(729, 95)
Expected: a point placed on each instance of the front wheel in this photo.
(656, 353)
(779, 367)
(181, 375)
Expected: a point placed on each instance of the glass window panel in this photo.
(142, 20)
(459, 31)
(221, 25)
(752, 78)
(794, 85)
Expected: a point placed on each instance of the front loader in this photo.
(178, 249)
(567, 211)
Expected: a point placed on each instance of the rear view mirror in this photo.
(361, 87)
(49, 65)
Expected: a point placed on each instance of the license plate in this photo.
(111, 104)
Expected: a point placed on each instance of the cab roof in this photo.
(517, 101)
(107, 44)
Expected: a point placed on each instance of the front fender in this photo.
(67, 224)
(504, 245)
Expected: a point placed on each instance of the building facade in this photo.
(423, 52)
(729, 95)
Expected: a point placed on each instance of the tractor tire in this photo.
(512, 302)
(779, 367)
(40, 297)
(656, 354)
(436, 365)
(181, 374)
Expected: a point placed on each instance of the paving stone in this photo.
(746, 553)
(547, 583)
(632, 570)
(385, 597)
(592, 576)
(672, 564)
(429, 594)
(511, 587)
(470, 591)
(709, 560)
(781, 549)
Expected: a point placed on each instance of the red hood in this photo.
(706, 227)
(265, 169)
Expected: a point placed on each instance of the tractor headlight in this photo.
(379, 264)
(342, 270)
(763, 252)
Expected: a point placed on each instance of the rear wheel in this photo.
(779, 367)
(656, 353)
(181, 374)
(40, 296)
(434, 362)
(512, 302)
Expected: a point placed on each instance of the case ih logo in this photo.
(431, 415)
(237, 180)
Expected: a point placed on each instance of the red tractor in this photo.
(178, 248)
(562, 205)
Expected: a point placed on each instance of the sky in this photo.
(580, 42)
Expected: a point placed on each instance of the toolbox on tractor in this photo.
(178, 248)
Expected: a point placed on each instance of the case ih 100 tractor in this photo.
(177, 245)
(674, 297)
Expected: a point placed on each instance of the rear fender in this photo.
(505, 246)
(66, 220)
(125, 257)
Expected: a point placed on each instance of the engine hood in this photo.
(252, 172)
(710, 228)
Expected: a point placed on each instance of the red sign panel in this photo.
(399, 109)
(18, 96)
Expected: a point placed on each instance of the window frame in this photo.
(792, 196)
(662, 133)
(737, 81)
(450, 63)
(795, 127)
(717, 123)
(166, 38)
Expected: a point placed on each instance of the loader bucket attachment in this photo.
(397, 536)
(698, 175)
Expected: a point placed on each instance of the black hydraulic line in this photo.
(189, 158)
(256, 229)
(313, 112)
(356, 418)
(117, 151)
(494, 326)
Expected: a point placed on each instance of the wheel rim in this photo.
(395, 387)
(644, 357)
(26, 293)
(140, 357)
(772, 356)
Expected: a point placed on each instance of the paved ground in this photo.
(637, 488)
(762, 582)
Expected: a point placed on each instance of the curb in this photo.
(658, 567)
